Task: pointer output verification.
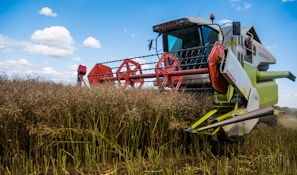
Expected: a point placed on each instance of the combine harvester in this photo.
(202, 56)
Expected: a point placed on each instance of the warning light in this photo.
(212, 17)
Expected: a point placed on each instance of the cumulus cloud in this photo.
(23, 61)
(47, 12)
(238, 5)
(54, 36)
(134, 35)
(8, 63)
(52, 41)
(247, 5)
(50, 71)
(13, 66)
(92, 42)
(4, 41)
(22, 68)
(66, 76)
(76, 59)
(288, 100)
(142, 62)
(41, 49)
(6, 44)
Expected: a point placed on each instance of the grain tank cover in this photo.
(251, 30)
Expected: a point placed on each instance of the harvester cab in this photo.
(201, 56)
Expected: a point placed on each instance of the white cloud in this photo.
(247, 5)
(142, 62)
(4, 41)
(41, 49)
(14, 66)
(133, 35)
(66, 76)
(23, 61)
(5, 50)
(49, 70)
(14, 62)
(22, 68)
(73, 67)
(76, 59)
(54, 36)
(52, 41)
(6, 44)
(45, 62)
(288, 100)
(47, 12)
(238, 6)
(92, 42)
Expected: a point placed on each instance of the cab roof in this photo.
(180, 23)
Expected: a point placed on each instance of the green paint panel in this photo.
(265, 75)
(252, 73)
(268, 93)
(267, 90)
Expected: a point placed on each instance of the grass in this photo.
(48, 128)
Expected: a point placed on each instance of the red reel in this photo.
(127, 69)
(165, 66)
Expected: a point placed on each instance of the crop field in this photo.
(49, 128)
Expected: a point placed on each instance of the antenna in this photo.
(201, 7)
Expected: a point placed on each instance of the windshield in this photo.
(184, 38)
(200, 37)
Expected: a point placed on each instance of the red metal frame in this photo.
(81, 71)
(100, 74)
(219, 83)
(130, 73)
(132, 68)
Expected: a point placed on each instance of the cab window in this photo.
(182, 38)
(210, 36)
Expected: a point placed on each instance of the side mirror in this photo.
(150, 44)
(236, 28)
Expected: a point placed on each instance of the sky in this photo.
(50, 38)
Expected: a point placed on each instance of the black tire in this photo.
(270, 120)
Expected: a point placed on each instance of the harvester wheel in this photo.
(127, 69)
(166, 65)
(270, 120)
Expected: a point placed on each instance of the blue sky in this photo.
(50, 38)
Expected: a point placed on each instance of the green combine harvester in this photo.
(201, 56)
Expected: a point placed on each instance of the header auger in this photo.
(201, 56)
